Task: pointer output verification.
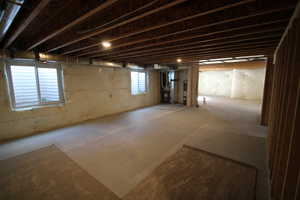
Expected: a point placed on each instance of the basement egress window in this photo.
(34, 85)
(139, 82)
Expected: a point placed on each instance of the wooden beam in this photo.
(174, 40)
(195, 59)
(229, 66)
(183, 54)
(186, 44)
(250, 50)
(177, 40)
(173, 3)
(121, 17)
(199, 48)
(213, 45)
(178, 32)
(168, 5)
(283, 130)
(36, 11)
(267, 93)
(73, 23)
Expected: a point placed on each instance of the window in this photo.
(138, 82)
(34, 84)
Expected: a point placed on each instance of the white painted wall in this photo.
(90, 93)
(236, 83)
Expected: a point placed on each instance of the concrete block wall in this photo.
(90, 92)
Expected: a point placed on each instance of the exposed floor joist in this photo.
(251, 35)
(218, 23)
(75, 22)
(117, 25)
(208, 55)
(42, 4)
(139, 31)
(204, 52)
(273, 41)
(154, 28)
(87, 52)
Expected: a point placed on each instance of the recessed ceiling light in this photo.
(106, 44)
(179, 60)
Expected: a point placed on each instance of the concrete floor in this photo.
(121, 150)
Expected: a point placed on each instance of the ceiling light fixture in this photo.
(106, 44)
(179, 60)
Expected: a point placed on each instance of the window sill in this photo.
(139, 94)
(30, 108)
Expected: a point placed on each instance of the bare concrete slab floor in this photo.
(244, 115)
(193, 174)
(48, 174)
(121, 150)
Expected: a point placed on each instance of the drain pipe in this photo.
(8, 11)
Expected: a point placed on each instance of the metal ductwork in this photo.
(8, 11)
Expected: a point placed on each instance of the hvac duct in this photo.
(8, 12)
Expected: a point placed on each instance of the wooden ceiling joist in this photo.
(230, 66)
(224, 49)
(155, 27)
(231, 20)
(75, 22)
(168, 43)
(120, 18)
(199, 52)
(189, 44)
(212, 45)
(196, 58)
(258, 25)
(42, 4)
(201, 48)
(176, 2)
(148, 31)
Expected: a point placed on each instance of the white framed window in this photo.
(139, 82)
(34, 84)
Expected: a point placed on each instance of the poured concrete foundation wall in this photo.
(233, 83)
(90, 92)
(215, 83)
(248, 83)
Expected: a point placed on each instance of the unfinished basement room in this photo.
(149, 100)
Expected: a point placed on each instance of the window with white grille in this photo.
(138, 82)
(33, 84)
